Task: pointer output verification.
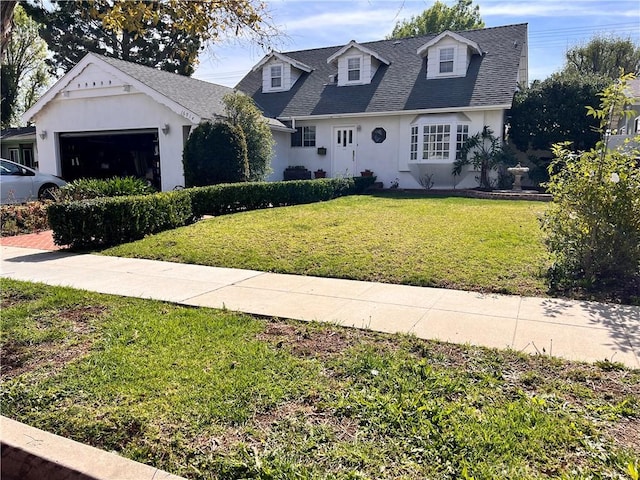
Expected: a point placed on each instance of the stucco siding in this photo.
(132, 110)
(390, 159)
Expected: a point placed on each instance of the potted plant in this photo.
(320, 173)
(297, 172)
(366, 173)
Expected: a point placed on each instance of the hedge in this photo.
(110, 221)
(229, 198)
(114, 220)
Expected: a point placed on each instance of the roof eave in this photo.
(504, 106)
(363, 49)
(447, 33)
(137, 84)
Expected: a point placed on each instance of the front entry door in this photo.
(344, 151)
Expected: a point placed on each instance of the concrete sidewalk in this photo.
(575, 330)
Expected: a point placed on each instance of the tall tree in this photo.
(6, 16)
(461, 16)
(604, 56)
(553, 111)
(164, 34)
(242, 111)
(73, 29)
(24, 71)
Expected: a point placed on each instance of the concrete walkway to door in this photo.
(575, 330)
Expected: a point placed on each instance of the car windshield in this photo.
(8, 168)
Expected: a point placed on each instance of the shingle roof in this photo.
(402, 85)
(18, 132)
(202, 98)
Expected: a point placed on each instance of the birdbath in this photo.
(517, 172)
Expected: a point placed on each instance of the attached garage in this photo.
(111, 154)
(107, 117)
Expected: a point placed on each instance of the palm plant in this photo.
(484, 151)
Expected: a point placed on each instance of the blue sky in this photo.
(554, 27)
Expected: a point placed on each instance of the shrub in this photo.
(110, 221)
(593, 225)
(86, 188)
(229, 198)
(242, 111)
(19, 219)
(215, 153)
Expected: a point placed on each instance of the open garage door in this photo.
(127, 153)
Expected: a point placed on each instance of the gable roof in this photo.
(283, 58)
(402, 85)
(458, 38)
(194, 99)
(357, 46)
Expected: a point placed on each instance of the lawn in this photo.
(215, 394)
(470, 244)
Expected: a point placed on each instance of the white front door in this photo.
(344, 151)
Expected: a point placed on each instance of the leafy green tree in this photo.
(215, 153)
(24, 70)
(592, 227)
(461, 16)
(7, 8)
(73, 29)
(484, 151)
(605, 56)
(242, 112)
(552, 111)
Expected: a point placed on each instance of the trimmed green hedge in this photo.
(114, 220)
(236, 197)
(110, 221)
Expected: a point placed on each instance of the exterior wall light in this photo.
(165, 129)
(43, 134)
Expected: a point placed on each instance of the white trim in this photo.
(506, 106)
(89, 59)
(353, 44)
(422, 51)
(360, 69)
(282, 58)
(271, 77)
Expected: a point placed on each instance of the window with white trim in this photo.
(462, 134)
(14, 155)
(353, 69)
(435, 142)
(304, 137)
(446, 59)
(414, 143)
(276, 76)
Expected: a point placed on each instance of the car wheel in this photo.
(48, 192)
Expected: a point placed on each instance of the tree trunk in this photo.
(6, 13)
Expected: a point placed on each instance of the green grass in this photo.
(471, 244)
(215, 394)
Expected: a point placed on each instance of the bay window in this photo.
(436, 141)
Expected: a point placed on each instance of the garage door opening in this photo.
(131, 153)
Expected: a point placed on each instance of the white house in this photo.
(109, 117)
(401, 108)
(19, 145)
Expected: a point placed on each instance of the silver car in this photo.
(19, 184)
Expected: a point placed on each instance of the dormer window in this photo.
(356, 64)
(353, 69)
(446, 59)
(280, 72)
(448, 55)
(276, 76)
